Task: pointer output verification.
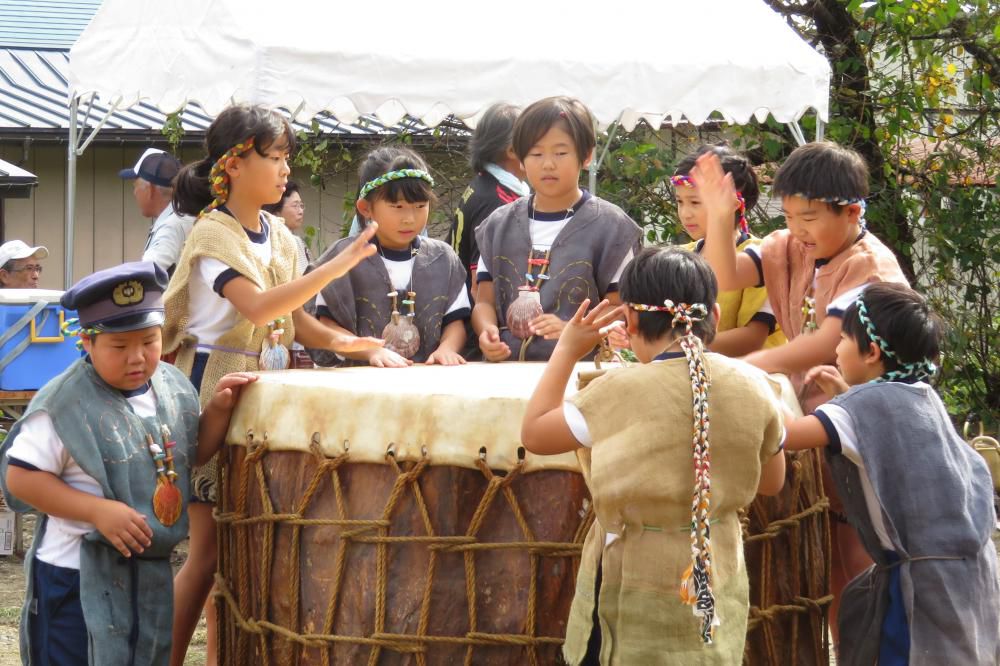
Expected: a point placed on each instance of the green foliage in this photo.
(173, 129)
(914, 90)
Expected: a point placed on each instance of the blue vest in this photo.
(127, 602)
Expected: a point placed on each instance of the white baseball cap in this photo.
(16, 249)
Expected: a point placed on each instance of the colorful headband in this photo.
(921, 370)
(687, 181)
(391, 176)
(696, 582)
(71, 328)
(218, 179)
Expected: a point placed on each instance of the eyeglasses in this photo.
(31, 268)
(299, 205)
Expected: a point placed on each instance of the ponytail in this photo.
(192, 191)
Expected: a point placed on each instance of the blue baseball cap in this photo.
(119, 299)
(155, 166)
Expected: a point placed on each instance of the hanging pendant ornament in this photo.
(167, 501)
(273, 354)
(401, 335)
(524, 310)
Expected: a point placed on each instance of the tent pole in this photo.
(820, 128)
(796, 131)
(595, 166)
(70, 191)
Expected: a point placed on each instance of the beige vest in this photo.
(641, 477)
(221, 237)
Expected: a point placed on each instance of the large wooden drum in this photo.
(787, 546)
(390, 516)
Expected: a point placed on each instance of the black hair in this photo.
(384, 159)
(655, 275)
(493, 135)
(291, 187)
(902, 318)
(9, 266)
(236, 124)
(744, 177)
(823, 171)
(541, 116)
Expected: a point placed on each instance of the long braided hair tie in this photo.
(687, 181)
(921, 370)
(218, 179)
(391, 176)
(696, 582)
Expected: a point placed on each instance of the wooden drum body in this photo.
(787, 547)
(389, 516)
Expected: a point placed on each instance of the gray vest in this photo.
(937, 505)
(127, 603)
(583, 261)
(358, 300)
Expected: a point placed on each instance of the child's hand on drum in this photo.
(228, 388)
(547, 326)
(386, 358)
(494, 349)
(583, 332)
(828, 378)
(353, 255)
(445, 357)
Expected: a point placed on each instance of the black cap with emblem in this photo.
(128, 297)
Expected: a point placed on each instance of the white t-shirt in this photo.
(211, 313)
(837, 417)
(38, 445)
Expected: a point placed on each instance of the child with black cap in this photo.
(104, 453)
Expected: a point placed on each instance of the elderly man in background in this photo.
(19, 265)
(154, 175)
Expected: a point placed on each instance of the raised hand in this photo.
(716, 189)
(584, 331)
(354, 254)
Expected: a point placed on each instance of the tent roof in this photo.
(665, 61)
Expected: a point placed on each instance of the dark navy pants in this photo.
(57, 629)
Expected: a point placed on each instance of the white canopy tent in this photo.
(659, 61)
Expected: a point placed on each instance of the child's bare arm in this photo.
(802, 353)
(263, 306)
(544, 429)
(772, 475)
(805, 432)
(741, 341)
(123, 527)
(452, 340)
(215, 417)
(733, 270)
(309, 332)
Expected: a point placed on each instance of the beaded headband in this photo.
(696, 582)
(921, 370)
(391, 176)
(72, 328)
(218, 179)
(687, 181)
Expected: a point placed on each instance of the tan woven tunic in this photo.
(641, 477)
(222, 237)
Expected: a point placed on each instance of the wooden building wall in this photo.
(109, 229)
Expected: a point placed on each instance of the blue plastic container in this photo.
(27, 367)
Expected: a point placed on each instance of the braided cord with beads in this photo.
(696, 583)
(394, 175)
(687, 181)
(920, 370)
(218, 179)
